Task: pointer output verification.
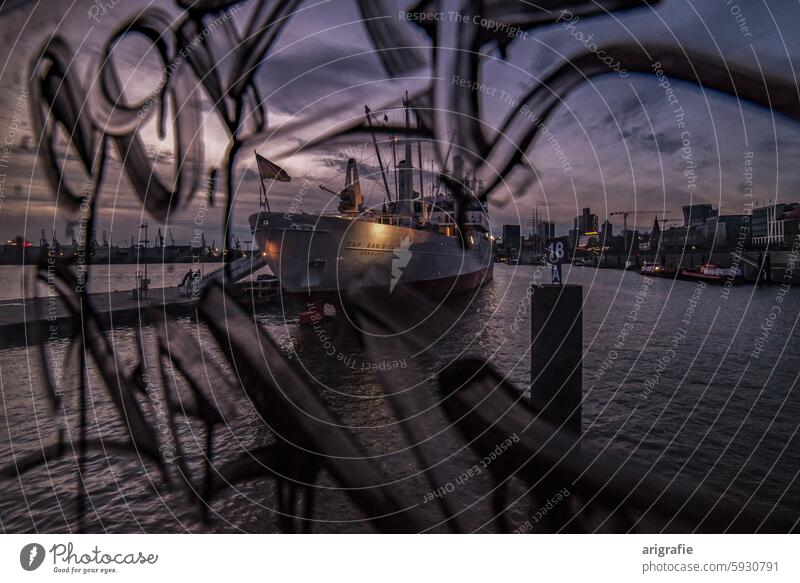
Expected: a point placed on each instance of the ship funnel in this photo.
(350, 199)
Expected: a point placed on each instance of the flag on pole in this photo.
(271, 170)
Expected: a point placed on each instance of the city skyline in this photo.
(620, 155)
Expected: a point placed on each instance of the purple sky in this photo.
(618, 135)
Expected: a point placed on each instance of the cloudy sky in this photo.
(618, 135)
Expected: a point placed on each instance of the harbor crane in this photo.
(625, 220)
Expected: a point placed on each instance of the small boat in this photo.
(655, 270)
(713, 274)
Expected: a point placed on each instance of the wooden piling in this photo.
(556, 354)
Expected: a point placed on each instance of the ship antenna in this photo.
(368, 113)
(444, 169)
(421, 173)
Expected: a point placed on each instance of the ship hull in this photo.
(331, 254)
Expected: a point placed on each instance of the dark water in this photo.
(683, 388)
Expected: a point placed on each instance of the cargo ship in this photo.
(411, 240)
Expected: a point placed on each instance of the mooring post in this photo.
(556, 354)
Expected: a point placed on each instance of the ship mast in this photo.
(408, 167)
(378, 153)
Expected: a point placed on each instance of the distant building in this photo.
(572, 238)
(768, 225)
(791, 228)
(725, 231)
(511, 237)
(676, 238)
(545, 230)
(586, 222)
(695, 215)
(655, 236)
(606, 237)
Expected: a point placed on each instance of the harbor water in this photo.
(697, 382)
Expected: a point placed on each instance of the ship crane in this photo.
(350, 198)
(625, 220)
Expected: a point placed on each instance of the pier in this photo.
(21, 319)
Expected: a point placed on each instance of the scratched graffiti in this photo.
(207, 60)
